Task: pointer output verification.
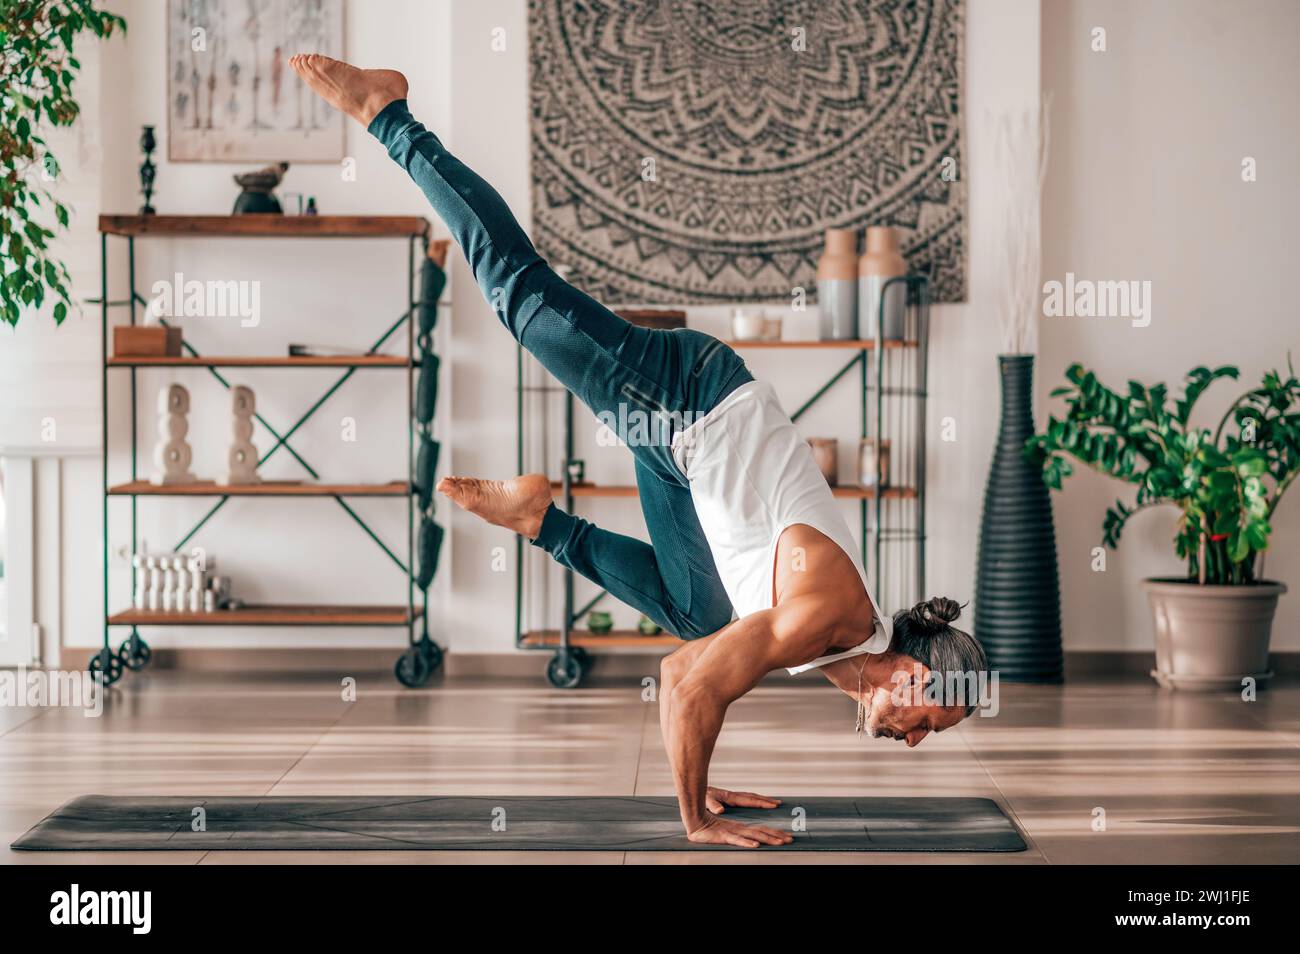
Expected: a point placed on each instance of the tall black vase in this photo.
(1017, 592)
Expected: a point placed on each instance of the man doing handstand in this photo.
(750, 562)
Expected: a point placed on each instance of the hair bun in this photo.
(936, 613)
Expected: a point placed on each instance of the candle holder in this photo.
(873, 463)
(147, 169)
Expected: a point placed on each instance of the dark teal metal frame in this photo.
(135, 300)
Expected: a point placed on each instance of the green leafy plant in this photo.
(1227, 481)
(37, 70)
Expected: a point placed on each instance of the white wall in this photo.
(1119, 202)
(50, 392)
(49, 375)
(1145, 184)
(1002, 75)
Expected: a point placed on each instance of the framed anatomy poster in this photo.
(231, 96)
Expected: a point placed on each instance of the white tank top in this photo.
(752, 476)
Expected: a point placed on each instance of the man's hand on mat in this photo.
(716, 800)
(723, 831)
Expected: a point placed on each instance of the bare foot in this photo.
(518, 504)
(359, 93)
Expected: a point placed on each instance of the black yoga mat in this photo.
(507, 823)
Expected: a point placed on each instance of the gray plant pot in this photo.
(1210, 638)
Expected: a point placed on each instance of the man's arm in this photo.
(673, 669)
(734, 661)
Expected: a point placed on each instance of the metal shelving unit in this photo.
(892, 394)
(423, 656)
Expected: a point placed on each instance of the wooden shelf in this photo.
(616, 639)
(267, 488)
(593, 490)
(255, 361)
(869, 493)
(846, 493)
(299, 226)
(856, 344)
(271, 615)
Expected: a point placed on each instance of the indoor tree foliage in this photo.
(1227, 482)
(37, 70)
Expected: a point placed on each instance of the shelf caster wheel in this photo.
(413, 668)
(431, 651)
(106, 665)
(584, 658)
(564, 671)
(134, 653)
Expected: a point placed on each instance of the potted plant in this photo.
(37, 70)
(1212, 625)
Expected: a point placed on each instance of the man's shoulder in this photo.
(814, 625)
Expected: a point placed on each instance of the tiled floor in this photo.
(1179, 777)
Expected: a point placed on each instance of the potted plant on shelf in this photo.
(1212, 626)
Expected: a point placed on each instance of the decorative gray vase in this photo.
(837, 286)
(1017, 590)
(881, 261)
(890, 313)
(837, 304)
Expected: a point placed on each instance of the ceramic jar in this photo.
(873, 463)
(881, 260)
(747, 324)
(837, 292)
(826, 453)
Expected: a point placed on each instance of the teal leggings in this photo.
(647, 384)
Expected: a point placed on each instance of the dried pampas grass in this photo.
(1021, 148)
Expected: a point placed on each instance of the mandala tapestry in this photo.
(696, 150)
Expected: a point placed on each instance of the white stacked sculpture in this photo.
(168, 564)
(180, 582)
(242, 459)
(197, 564)
(140, 575)
(172, 455)
(172, 581)
(153, 599)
